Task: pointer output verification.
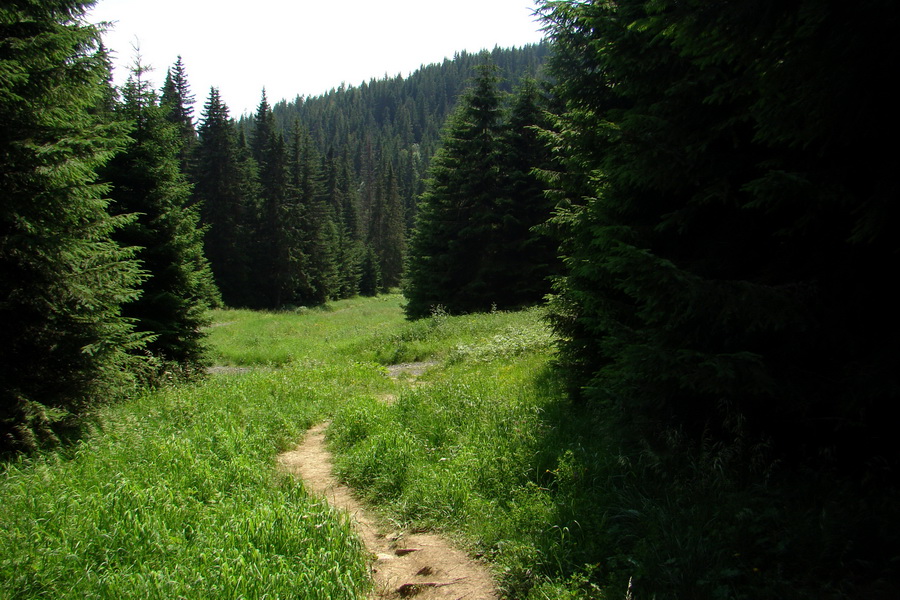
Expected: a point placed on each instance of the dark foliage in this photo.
(724, 201)
(147, 181)
(62, 278)
(476, 245)
(225, 192)
(728, 262)
(178, 102)
(452, 248)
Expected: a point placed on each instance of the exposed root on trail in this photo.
(405, 564)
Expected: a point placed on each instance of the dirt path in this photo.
(405, 564)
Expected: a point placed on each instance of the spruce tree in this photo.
(726, 206)
(727, 236)
(346, 245)
(222, 191)
(370, 282)
(275, 260)
(272, 239)
(448, 260)
(527, 254)
(147, 180)
(387, 230)
(296, 212)
(62, 278)
(319, 280)
(178, 101)
(262, 131)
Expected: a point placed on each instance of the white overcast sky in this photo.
(303, 47)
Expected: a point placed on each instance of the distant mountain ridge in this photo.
(396, 120)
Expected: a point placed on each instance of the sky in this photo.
(302, 47)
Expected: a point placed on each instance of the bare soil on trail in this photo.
(409, 370)
(218, 370)
(404, 564)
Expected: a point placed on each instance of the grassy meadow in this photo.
(176, 494)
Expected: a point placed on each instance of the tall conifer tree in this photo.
(527, 254)
(147, 180)
(262, 131)
(320, 275)
(387, 230)
(727, 206)
(726, 230)
(457, 212)
(346, 245)
(178, 102)
(277, 221)
(222, 192)
(62, 278)
(476, 244)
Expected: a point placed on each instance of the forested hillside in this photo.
(399, 119)
(326, 207)
(127, 215)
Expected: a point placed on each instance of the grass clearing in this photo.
(274, 339)
(485, 449)
(175, 494)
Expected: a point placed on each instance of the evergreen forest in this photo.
(126, 223)
(693, 195)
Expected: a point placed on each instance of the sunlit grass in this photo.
(176, 495)
(258, 338)
(482, 447)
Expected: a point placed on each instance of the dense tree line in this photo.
(331, 188)
(397, 120)
(475, 245)
(725, 200)
(124, 218)
(284, 220)
(104, 281)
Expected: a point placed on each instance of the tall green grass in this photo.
(175, 494)
(274, 339)
(483, 447)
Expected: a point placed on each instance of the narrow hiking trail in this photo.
(405, 564)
